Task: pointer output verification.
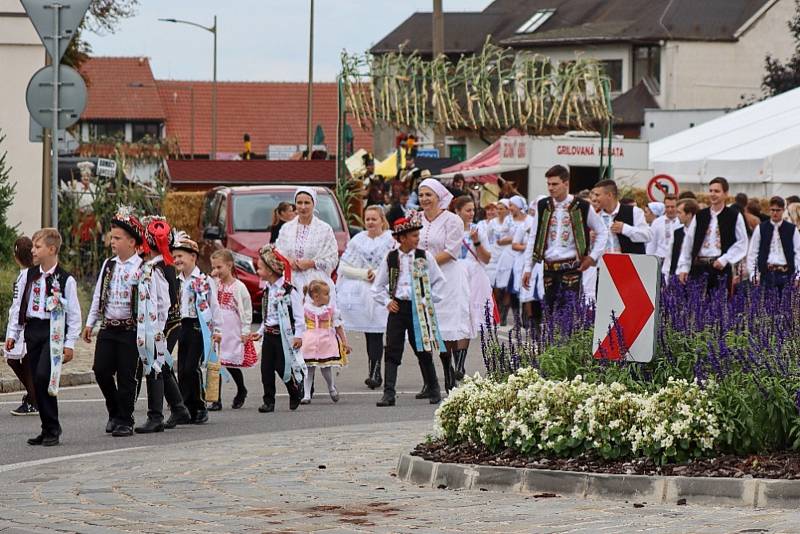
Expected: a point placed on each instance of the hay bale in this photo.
(184, 211)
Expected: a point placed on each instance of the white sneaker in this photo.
(305, 400)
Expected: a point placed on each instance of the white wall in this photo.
(714, 75)
(21, 54)
(660, 123)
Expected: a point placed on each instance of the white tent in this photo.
(756, 148)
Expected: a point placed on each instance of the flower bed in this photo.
(725, 380)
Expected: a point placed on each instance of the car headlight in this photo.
(244, 262)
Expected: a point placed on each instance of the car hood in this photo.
(248, 242)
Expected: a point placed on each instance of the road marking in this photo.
(45, 461)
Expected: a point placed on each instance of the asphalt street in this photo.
(83, 414)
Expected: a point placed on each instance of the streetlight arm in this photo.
(212, 29)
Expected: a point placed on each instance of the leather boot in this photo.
(424, 393)
(432, 381)
(447, 364)
(389, 382)
(374, 380)
(460, 356)
(155, 397)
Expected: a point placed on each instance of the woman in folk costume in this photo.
(357, 269)
(487, 228)
(474, 256)
(308, 243)
(530, 297)
(441, 235)
(509, 274)
(501, 228)
(236, 350)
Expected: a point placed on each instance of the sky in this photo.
(258, 40)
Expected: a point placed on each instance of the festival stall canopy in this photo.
(757, 147)
(482, 167)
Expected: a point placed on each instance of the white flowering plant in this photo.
(566, 418)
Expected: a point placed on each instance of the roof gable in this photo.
(121, 88)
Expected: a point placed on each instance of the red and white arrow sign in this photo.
(627, 302)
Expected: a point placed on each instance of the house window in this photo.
(536, 21)
(109, 130)
(149, 129)
(613, 69)
(647, 67)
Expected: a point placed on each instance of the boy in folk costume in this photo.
(562, 238)
(46, 307)
(407, 284)
(281, 330)
(114, 310)
(774, 254)
(200, 325)
(155, 299)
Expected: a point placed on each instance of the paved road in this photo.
(331, 481)
(83, 415)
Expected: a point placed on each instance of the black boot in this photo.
(374, 380)
(447, 369)
(424, 393)
(460, 357)
(431, 380)
(155, 405)
(389, 381)
(149, 427)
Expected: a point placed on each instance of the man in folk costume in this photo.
(715, 241)
(687, 208)
(114, 310)
(46, 309)
(562, 238)
(281, 330)
(663, 229)
(200, 325)
(156, 298)
(408, 283)
(628, 231)
(774, 249)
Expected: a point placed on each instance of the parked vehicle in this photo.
(240, 219)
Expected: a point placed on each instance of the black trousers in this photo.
(374, 347)
(272, 362)
(776, 279)
(116, 359)
(715, 276)
(37, 341)
(398, 325)
(190, 378)
(556, 282)
(172, 392)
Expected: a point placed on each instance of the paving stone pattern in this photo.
(334, 480)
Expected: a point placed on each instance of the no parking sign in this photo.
(660, 186)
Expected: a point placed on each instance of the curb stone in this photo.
(742, 492)
(10, 385)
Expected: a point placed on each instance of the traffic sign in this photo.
(106, 168)
(72, 96)
(626, 317)
(43, 15)
(660, 186)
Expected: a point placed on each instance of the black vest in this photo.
(625, 215)
(288, 288)
(171, 275)
(677, 244)
(393, 262)
(786, 233)
(542, 226)
(34, 273)
(726, 221)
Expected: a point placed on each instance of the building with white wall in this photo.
(21, 55)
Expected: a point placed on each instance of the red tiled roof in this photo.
(273, 113)
(121, 88)
(252, 172)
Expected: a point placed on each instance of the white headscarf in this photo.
(445, 196)
(504, 201)
(519, 202)
(657, 208)
(308, 191)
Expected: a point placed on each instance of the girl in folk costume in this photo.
(474, 256)
(308, 242)
(409, 283)
(324, 341)
(15, 358)
(441, 235)
(486, 227)
(357, 269)
(236, 351)
(281, 330)
(508, 275)
(500, 227)
(155, 299)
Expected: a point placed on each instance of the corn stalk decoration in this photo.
(496, 90)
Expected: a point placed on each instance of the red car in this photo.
(239, 219)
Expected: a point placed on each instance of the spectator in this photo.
(283, 213)
(754, 208)
(458, 187)
(792, 199)
(687, 194)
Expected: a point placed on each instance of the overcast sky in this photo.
(258, 39)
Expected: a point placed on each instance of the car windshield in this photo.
(253, 212)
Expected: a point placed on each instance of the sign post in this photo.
(660, 186)
(63, 19)
(626, 317)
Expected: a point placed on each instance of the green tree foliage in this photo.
(103, 17)
(784, 76)
(8, 234)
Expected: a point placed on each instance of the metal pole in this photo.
(214, 97)
(54, 131)
(439, 132)
(310, 81)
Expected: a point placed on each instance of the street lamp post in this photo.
(213, 30)
(309, 105)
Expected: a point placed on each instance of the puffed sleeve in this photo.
(453, 229)
(245, 307)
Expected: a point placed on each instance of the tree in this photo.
(103, 17)
(8, 234)
(781, 77)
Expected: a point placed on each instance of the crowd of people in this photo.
(432, 277)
